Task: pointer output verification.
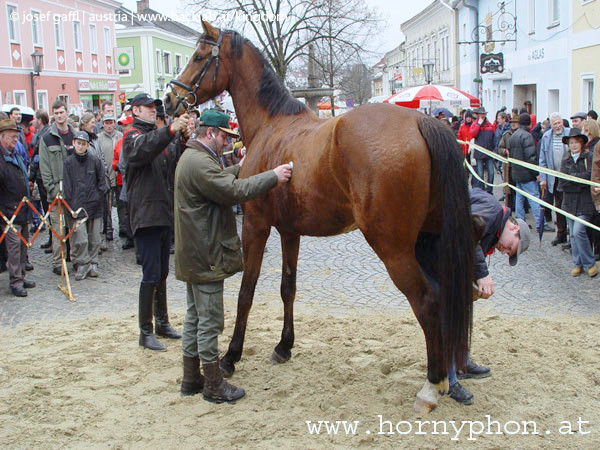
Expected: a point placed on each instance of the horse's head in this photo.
(205, 75)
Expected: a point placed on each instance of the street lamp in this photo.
(428, 70)
(161, 85)
(37, 59)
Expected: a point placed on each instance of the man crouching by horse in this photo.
(208, 247)
(507, 235)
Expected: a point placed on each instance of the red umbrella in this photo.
(432, 95)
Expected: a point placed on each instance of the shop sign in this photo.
(97, 85)
(491, 62)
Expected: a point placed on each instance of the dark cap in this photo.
(145, 100)
(81, 135)
(575, 133)
(524, 241)
(217, 119)
(524, 119)
(579, 115)
(160, 111)
(479, 110)
(108, 117)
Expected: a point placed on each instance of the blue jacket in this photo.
(500, 130)
(495, 217)
(547, 158)
(484, 137)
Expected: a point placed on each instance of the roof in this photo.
(152, 18)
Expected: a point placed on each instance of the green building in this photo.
(151, 50)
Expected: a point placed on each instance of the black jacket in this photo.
(495, 217)
(577, 197)
(522, 147)
(84, 184)
(150, 204)
(13, 187)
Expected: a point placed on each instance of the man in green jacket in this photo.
(207, 247)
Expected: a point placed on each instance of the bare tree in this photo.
(356, 83)
(285, 28)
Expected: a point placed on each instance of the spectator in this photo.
(42, 126)
(85, 187)
(552, 151)
(577, 200)
(502, 127)
(13, 187)
(592, 115)
(504, 150)
(483, 132)
(126, 123)
(592, 130)
(577, 119)
(55, 146)
(464, 132)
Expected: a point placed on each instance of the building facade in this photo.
(158, 46)
(76, 39)
(585, 55)
(430, 37)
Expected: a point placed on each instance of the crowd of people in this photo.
(555, 144)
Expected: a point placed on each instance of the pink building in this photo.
(76, 38)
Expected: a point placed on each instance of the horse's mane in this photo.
(271, 94)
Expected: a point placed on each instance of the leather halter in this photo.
(191, 91)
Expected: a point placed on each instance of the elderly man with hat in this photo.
(150, 212)
(483, 132)
(577, 200)
(577, 119)
(14, 185)
(208, 248)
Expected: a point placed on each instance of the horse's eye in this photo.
(198, 58)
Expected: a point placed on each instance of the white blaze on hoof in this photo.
(427, 397)
(443, 386)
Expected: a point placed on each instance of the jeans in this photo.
(581, 249)
(452, 375)
(531, 187)
(488, 165)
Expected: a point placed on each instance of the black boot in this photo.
(460, 394)
(47, 244)
(217, 390)
(473, 371)
(161, 317)
(147, 338)
(192, 382)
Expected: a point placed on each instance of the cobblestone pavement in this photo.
(340, 273)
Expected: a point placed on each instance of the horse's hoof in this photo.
(278, 359)
(227, 369)
(423, 406)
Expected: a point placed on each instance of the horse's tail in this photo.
(456, 246)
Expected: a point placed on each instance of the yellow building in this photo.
(585, 62)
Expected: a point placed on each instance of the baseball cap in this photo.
(125, 120)
(145, 100)
(108, 117)
(217, 119)
(523, 242)
(127, 107)
(82, 135)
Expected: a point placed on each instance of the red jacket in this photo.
(464, 134)
(116, 154)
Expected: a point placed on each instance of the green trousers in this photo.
(204, 321)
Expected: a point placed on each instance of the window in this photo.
(13, 23)
(465, 39)
(36, 28)
(20, 98)
(178, 66)
(58, 33)
(445, 53)
(93, 39)
(158, 62)
(64, 98)
(107, 44)
(587, 91)
(77, 36)
(167, 62)
(42, 99)
(531, 16)
(554, 12)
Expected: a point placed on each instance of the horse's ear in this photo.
(478, 225)
(209, 30)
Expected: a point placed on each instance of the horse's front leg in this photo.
(290, 244)
(254, 240)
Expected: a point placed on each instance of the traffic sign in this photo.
(350, 103)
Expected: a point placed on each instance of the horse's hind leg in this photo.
(254, 240)
(407, 275)
(290, 244)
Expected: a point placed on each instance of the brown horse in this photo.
(393, 173)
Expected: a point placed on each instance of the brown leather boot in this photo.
(217, 390)
(192, 382)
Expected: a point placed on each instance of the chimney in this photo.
(142, 5)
